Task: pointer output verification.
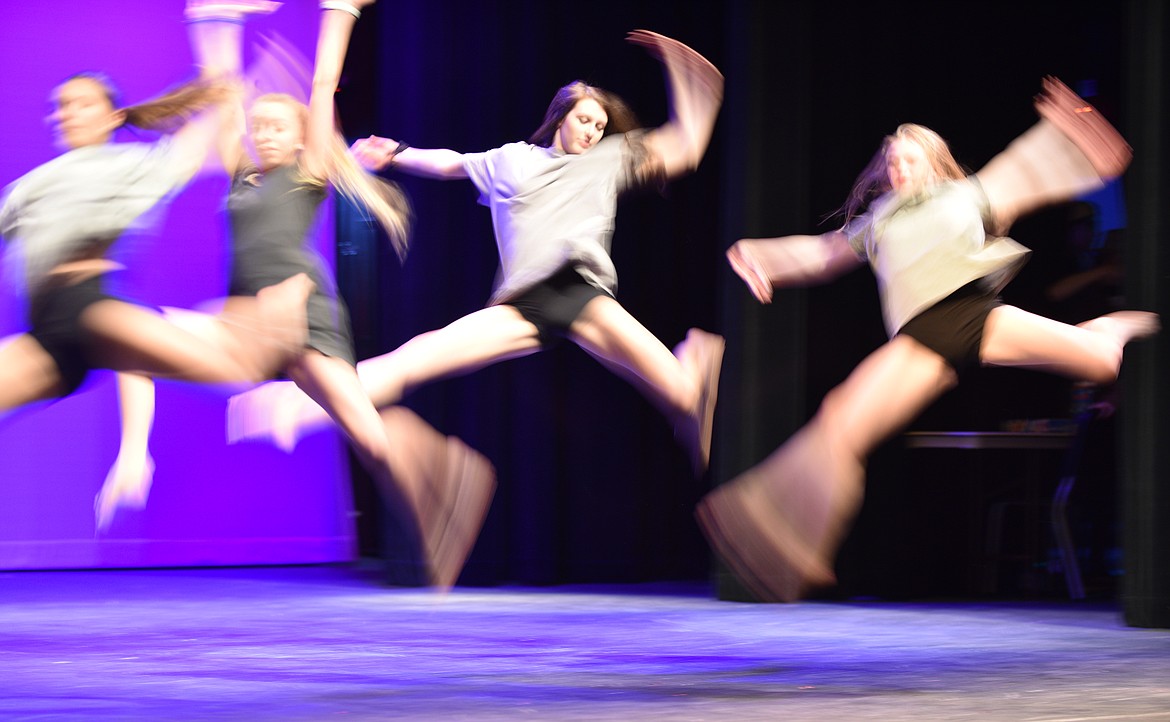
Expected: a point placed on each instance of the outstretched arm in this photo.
(765, 263)
(377, 154)
(128, 482)
(216, 35)
(695, 87)
(1071, 151)
(337, 20)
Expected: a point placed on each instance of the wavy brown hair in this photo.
(621, 118)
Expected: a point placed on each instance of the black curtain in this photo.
(1146, 500)
(592, 486)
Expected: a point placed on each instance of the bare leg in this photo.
(428, 479)
(496, 333)
(333, 384)
(460, 483)
(1090, 352)
(126, 337)
(27, 373)
(128, 482)
(684, 384)
(779, 524)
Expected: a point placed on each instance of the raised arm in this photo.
(695, 88)
(766, 263)
(377, 154)
(215, 31)
(1071, 151)
(337, 20)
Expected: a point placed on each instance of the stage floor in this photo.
(321, 643)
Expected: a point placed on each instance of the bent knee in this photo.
(1104, 369)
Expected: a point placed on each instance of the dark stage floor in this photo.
(322, 643)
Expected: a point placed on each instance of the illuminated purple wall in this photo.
(211, 503)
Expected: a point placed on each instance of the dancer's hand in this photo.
(127, 485)
(695, 88)
(748, 267)
(1085, 126)
(670, 51)
(197, 10)
(374, 153)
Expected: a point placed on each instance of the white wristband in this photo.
(342, 6)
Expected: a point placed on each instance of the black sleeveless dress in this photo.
(271, 215)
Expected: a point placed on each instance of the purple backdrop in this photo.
(211, 503)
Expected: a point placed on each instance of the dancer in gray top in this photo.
(553, 202)
(930, 235)
(59, 221)
(438, 486)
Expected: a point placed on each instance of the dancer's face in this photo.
(276, 132)
(83, 114)
(581, 128)
(907, 166)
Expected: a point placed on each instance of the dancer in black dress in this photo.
(438, 485)
(60, 220)
(553, 202)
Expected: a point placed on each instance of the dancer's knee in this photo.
(1104, 367)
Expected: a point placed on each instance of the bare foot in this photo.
(701, 355)
(276, 411)
(468, 485)
(283, 310)
(763, 548)
(448, 487)
(1125, 326)
(127, 486)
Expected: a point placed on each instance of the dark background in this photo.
(592, 486)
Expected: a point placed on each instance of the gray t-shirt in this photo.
(923, 249)
(81, 201)
(551, 209)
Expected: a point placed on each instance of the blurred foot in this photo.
(1125, 326)
(701, 355)
(127, 486)
(276, 412)
(283, 311)
(464, 490)
(443, 486)
(764, 549)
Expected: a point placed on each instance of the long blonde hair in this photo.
(381, 198)
(874, 179)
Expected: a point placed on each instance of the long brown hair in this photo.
(874, 179)
(167, 112)
(381, 198)
(621, 118)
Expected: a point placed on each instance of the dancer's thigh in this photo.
(885, 393)
(27, 373)
(1014, 337)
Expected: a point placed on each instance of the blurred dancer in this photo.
(553, 202)
(437, 485)
(60, 220)
(928, 233)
